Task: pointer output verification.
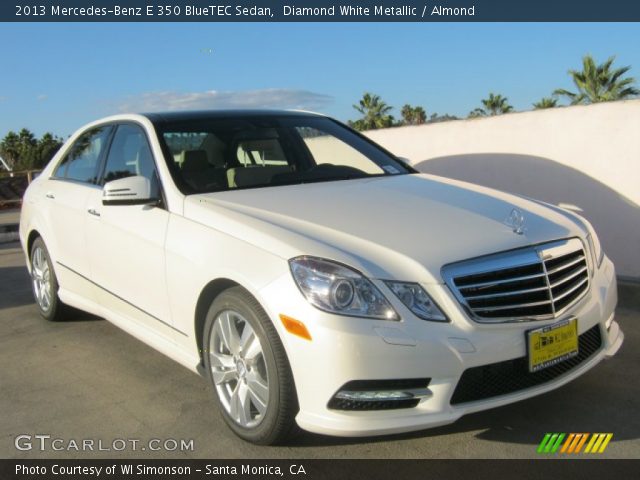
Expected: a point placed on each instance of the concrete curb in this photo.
(9, 233)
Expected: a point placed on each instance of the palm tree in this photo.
(419, 115)
(375, 113)
(477, 112)
(494, 105)
(407, 114)
(546, 102)
(10, 148)
(413, 115)
(599, 83)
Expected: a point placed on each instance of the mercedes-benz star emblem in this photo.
(515, 220)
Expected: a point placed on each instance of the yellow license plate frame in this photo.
(552, 344)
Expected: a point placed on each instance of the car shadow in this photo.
(15, 291)
(15, 288)
(615, 217)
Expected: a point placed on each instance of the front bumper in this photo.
(345, 349)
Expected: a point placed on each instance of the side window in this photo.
(81, 163)
(130, 155)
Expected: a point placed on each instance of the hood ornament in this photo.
(515, 221)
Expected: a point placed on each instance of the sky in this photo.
(57, 77)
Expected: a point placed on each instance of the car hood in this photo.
(402, 226)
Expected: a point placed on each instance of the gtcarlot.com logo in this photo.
(574, 442)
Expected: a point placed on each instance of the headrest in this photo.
(195, 160)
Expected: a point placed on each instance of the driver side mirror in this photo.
(135, 190)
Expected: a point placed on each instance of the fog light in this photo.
(380, 394)
(372, 396)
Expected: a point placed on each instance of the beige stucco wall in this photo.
(584, 157)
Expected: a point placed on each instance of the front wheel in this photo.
(248, 368)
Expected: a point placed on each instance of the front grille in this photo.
(487, 381)
(533, 283)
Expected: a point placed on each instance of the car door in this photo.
(64, 195)
(125, 243)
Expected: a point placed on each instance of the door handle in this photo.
(50, 195)
(94, 212)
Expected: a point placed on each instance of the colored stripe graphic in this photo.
(557, 444)
(574, 442)
(543, 442)
(568, 442)
(550, 443)
(582, 441)
(594, 436)
(606, 442)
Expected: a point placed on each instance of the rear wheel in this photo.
(248, 368)
(44, 283)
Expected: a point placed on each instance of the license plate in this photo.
(552, 344)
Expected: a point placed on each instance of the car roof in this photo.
(160, 117)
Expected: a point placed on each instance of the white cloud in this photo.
(2, 99)
(41, 97)
(265, 98)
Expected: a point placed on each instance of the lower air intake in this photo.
(502, 378)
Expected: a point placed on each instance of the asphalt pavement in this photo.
(87, 380)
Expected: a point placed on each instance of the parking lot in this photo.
(86, 379)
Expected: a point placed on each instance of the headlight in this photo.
(597, 254)
(594, 244)
(596, 248)
(417, 300)
(335, 288)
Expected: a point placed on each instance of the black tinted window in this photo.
(129, 155)
(81, 163)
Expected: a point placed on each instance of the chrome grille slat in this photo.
(568, 277)
(565, 266)
(511, 307)
(507, 287)
(500, 282)
(573, 289)
(506, 294)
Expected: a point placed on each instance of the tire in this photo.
(44, 283)
(238, 375)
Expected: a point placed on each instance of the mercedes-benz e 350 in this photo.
(311, 276)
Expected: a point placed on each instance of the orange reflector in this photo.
(296, 327)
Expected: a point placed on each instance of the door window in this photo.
(130, 155)
(81, 163)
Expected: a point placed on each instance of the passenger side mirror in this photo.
(135, 190)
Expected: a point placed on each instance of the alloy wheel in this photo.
(41, 278)
(239, 369)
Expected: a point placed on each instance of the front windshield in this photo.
(211, 155)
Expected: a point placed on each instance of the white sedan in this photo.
(311, 276)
